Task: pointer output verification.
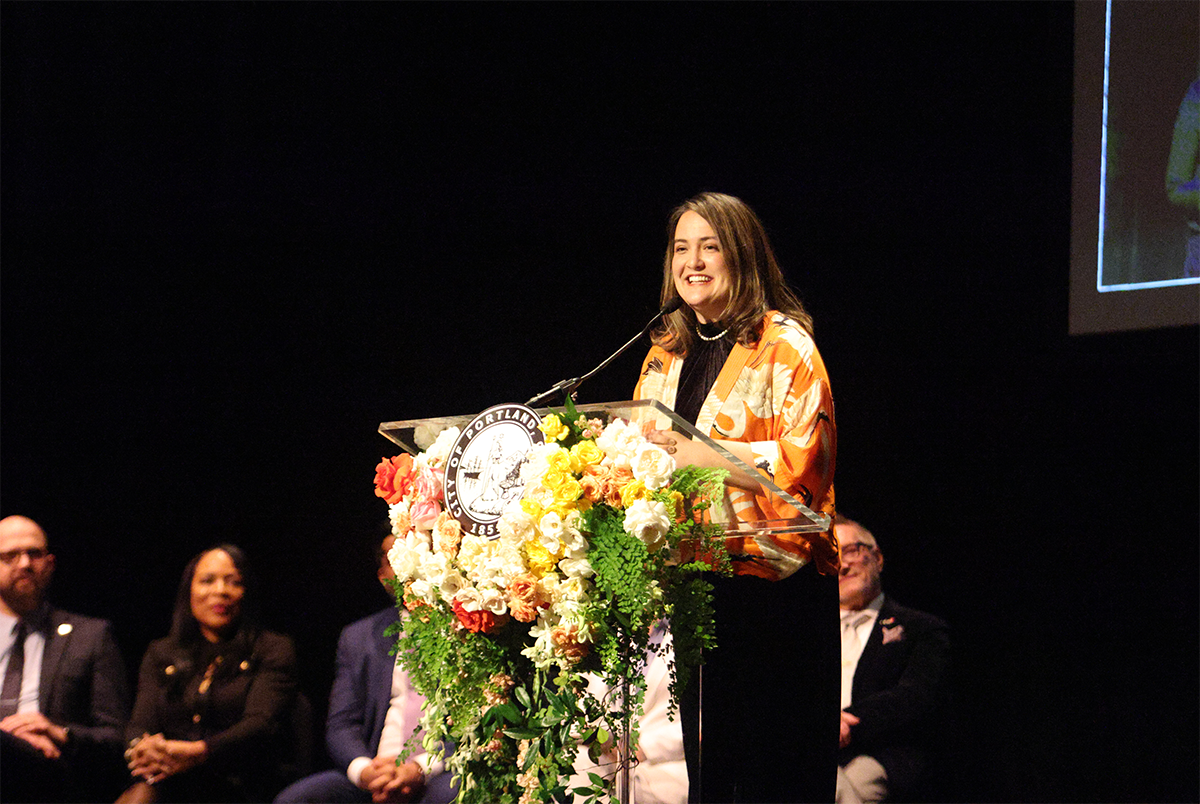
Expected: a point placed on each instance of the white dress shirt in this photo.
(852, 651)
(403, 717)
(35, 649)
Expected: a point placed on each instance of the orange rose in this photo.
(411, 601)
(602, 484)
(525, 598)
(394, 477)
(564, 639)
(447, 534)
(478, 621)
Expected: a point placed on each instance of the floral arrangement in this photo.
(500, 631)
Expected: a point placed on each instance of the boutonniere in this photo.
(893, 634)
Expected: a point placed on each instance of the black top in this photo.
(700, 370)
(236, 698)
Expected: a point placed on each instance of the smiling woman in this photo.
(738, 360)
(214, 696)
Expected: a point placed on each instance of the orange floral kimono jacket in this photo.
(776, 397)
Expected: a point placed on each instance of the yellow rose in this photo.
(564, 509)
(633, 491)
(569, 491)
(558, 461)
(585, 454)
(553, 427)
(563, 485)
(533, 508)
(541, 561)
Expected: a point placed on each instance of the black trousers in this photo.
(760, 723)
(26, 774)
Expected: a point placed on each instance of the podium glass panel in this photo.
(415, 435)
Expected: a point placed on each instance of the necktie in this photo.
(851, 650)
(10, 694)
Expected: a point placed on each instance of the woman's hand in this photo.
(687, 452)
(154, 758)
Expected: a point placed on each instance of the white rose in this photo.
(423, 436)
(470, 598)
(452, 583)
(407, 555)
(515, 526)
(572, 590)
(492, 599)
(423, 589)
(648, 520)
(439, 450)
(551, 529)
(537, 460)
(434, 567)
(619, 441)
(576, 567)
(653, 466)
(471, 552)
(540, 494)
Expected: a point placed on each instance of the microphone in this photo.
(567, 387)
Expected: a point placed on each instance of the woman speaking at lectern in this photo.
(738, 359)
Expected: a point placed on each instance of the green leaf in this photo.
(506, 712)
(521, 734)
(531, 754)
(522, 695)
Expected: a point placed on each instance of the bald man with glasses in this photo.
(895, 663)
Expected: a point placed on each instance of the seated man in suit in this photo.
(372, 711)
(65, 695)
(894, 677)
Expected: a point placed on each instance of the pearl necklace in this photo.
(716, 337)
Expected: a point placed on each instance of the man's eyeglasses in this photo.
(856, 550)
(34, 553)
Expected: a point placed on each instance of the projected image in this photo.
(1150, 190)
(1183, 174)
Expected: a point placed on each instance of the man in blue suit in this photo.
(370, 691)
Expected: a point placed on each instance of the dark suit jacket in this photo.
(362, 688)
(83, 687)
(83, 684)
(900, 691)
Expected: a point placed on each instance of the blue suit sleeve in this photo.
(345, 731)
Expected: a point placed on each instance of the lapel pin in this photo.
(65, 629)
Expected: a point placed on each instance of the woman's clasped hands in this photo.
(153, 758)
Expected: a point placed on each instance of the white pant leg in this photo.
(862, 780)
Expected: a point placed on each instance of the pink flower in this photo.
(424, 514)
(428, 484)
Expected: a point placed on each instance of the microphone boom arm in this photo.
(568, 386)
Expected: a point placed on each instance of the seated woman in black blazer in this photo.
(209, 722)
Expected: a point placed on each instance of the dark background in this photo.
(236, 237)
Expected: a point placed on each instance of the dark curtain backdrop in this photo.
(236, 237)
